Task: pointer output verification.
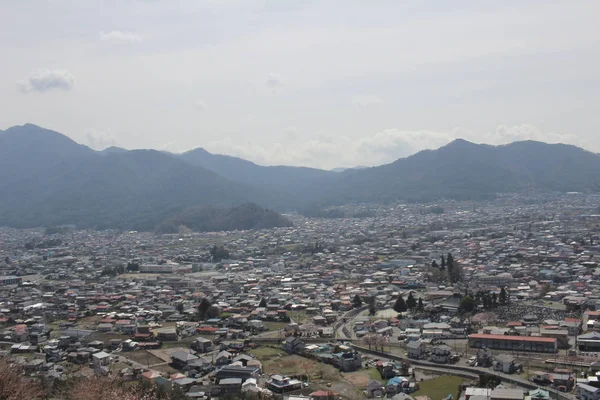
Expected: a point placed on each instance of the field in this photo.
(265, 353)
(275, 326)
(143, 357)
(439, 388)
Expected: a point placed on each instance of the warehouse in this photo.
(516, 343)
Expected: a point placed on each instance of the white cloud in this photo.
(376, 149)
(121, 36)
(48, 79)
(200, 105)
(365, 100)
(100, 140)
(274, 82)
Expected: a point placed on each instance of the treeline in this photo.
(213, 219)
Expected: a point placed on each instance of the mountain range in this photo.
(48, 179)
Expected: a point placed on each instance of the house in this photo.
(233, 371)
(587, 392)
(441, 354)
(167, 335)
(223, 358)
(202, 345)
(348, 361)
(283, 384)
(506, 394)
(485, 357)
(292, 345)
(101, 359)
(589, 341)
(416, 349)
(230, 387)
(374, 389)
(505, 363)
(538, 394)
(180, 359)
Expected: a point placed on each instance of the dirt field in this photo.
(143, 357)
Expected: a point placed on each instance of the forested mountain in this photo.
(464, 170)
(213, 219)
(48, 179)
(290, 187)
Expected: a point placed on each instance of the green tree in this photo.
(357, 301)
(503, 298)
(263, 303)
(202, 308)
(179, 307)
(443, 264)
(372, 308)
(420, 305)
(219, 253)
(467, 304)
(494, 300)
(411, 302)
(212, 312)
(435, 265)
(400, 305)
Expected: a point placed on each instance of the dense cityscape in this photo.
(475, 300)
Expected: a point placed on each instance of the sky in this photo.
(329, 83)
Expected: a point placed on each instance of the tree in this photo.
(494, 300)
(203, 307)
(14, 385)
(179, 307)
(372, 309)
(443, 264)
(357, 301)
(400, 305)
(467, 304)
(263, 303)
(420, 305)
(212, 312)
(435, 265)
(219, 253)
(411, 302)
(503, 299)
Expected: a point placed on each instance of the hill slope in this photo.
(286, 187)
(48, 179)
(212, 219)
(465, 170)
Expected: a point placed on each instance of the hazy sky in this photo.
(302, 82)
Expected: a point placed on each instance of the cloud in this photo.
(274, 82)
(121, 36)
(365, 100)
(48, 79)
(100, 140)
(200, 105)
(378, 148)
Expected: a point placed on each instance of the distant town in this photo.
(485, 300)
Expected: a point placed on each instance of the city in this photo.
(494, 299)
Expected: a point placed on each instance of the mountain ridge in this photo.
(48, 179)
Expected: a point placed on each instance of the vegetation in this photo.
(211, 219)
(357, 301)
(439, 388)
(400, 305)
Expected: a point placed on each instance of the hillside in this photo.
(212, 219)
(48, 179)
(288, 187)
(464, 170)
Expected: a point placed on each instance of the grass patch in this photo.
(265, 353)
(143, 357)
(374, 374)
(439, 388)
